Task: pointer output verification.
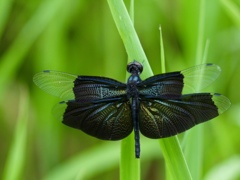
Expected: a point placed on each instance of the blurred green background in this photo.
(80, 37)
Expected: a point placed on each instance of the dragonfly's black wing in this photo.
(96, 105)
(164, 86)
(108, 120)
(164, 118)
(80, 88)
(172, 85)
(90, 88)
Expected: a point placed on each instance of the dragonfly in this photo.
(157, 106)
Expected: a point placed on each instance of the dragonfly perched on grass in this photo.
(110, 110)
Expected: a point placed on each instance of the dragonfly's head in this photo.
(134, 67)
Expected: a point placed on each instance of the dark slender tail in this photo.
(135, 117)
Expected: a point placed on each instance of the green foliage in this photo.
(80, 37)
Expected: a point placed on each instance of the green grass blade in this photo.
(194, 146)
(128, 34)
(134, 49)
(228, 169)
(200, 40)
(94, 161)
(232, 10)
(14, 56)
(169, 146)
(163, 66)
(5, 6)
(129, 165)
(87, 164)
(16, 158)
(175, 161)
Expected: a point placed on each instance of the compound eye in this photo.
(134, 67)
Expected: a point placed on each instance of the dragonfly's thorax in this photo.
(135, 69)
(132, 90)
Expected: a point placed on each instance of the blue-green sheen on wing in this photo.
(90, 88)
(164, 86)
(173, 84)
(104, 120)
(165, 118)
(82, 88)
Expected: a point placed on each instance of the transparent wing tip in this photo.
(222, 102)
(56, 83)
(200, 76)
(59, 109)
(40, 78)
